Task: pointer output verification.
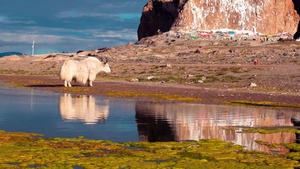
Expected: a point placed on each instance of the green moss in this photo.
(292, 156)
(269, 145)
(292, 146)
(263, 104)
(182, 68)
(75, 89)
(269, 131)
(295, 148)
(176, 78)
(230, 78)
(235, 69)
(152, 95)
(211, 79)
(232, 129)
(26, 150)
(16, 72)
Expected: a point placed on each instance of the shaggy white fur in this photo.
(82, 71)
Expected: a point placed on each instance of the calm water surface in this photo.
(119, 120)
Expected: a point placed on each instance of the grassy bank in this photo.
(28, 150)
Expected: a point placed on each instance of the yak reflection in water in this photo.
(83, 109)
(178, 122)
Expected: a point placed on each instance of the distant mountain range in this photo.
(9, 53)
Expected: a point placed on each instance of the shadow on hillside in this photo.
(161, 17)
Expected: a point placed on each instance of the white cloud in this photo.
(2, 18)
(76, 14)
(20, 37)
(7, 20)
(126, 34)
(123, 4)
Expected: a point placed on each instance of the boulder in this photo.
(150, 77)
(134, 80)
(251, 85)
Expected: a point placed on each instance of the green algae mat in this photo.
(28, 150)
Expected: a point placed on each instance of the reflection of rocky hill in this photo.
(296, 122)
(153, 129)
(83, 109)
(196, 122)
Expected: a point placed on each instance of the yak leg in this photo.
(67, 84)
(90, 83)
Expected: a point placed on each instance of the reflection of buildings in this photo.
(84, 109)
(197, 121)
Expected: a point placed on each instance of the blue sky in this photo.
(67, 25)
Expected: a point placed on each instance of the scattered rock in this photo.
(204, 43)
(79, 96)
(168, 65)
(130, 44)
(150, 77)
(197, 51)
(166, 50)
(252, 85)
(80, 51)
(50, 56)
(134, 80)
(215, 43)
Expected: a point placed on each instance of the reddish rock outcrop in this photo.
(297, 8)
(261, 16)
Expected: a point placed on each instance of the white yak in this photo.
(82, 71)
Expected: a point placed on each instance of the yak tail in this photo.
(68, 70)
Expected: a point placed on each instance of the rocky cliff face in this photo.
(261, 16)
(297, 8)
(157, 15)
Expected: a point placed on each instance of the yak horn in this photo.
(106, 60)
(102, 60)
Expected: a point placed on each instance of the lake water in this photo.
(120, 120)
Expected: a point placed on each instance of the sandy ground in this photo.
(102, 87)
(212, 71)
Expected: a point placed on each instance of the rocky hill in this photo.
(258, 16)
(9, 53)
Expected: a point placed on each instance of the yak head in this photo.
(106, 67)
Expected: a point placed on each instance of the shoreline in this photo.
(161, 92)
(165, 69)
